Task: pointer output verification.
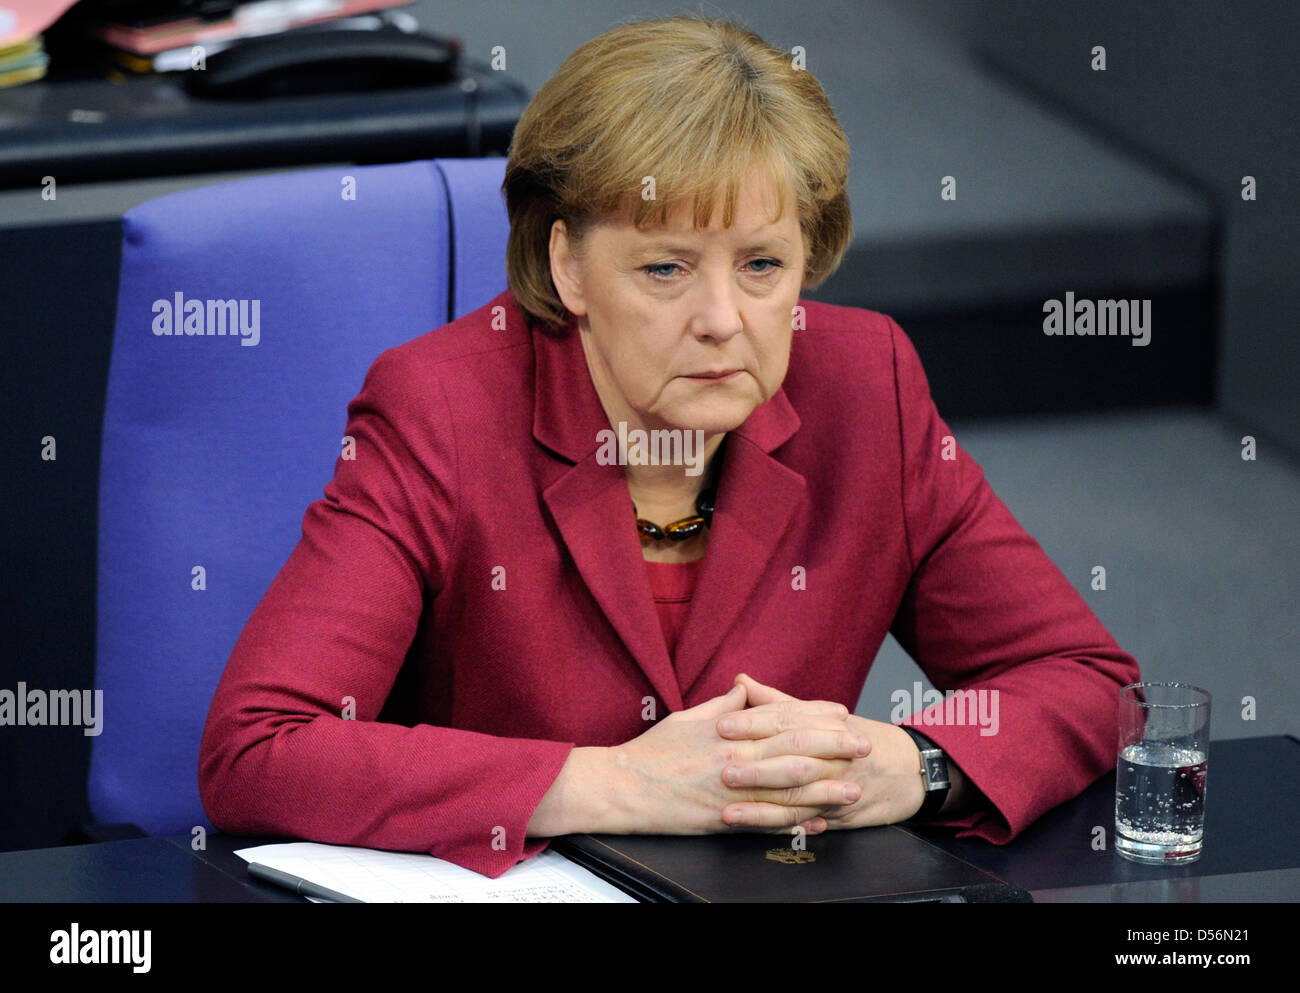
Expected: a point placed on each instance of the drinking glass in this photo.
(1164, 747)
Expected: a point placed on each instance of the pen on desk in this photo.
(302, 887)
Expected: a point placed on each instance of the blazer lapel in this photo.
(757, 498)
(592, 508)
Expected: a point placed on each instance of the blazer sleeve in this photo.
(281, 752)
(986, 609)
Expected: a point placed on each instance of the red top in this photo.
(671, 584)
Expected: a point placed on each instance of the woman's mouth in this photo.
(717, 376)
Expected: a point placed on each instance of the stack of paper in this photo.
(22, 62)
(374, 876)
(22, 49)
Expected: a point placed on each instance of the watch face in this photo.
(936, 771)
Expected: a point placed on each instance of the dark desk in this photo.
(1251, 851)
(1252, 838)
(87, 130)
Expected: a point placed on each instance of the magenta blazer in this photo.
(476, 535)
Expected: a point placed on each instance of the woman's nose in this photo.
(717, 310)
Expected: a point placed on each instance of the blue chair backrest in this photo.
(214, 445)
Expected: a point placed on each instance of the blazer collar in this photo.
(590, 504)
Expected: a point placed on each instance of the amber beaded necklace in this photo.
(687, 527)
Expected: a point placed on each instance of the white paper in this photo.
(375, 876)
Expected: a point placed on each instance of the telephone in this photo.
(343, 60)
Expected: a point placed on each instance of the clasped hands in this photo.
(757, 759)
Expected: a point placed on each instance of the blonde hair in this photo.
(690, 101)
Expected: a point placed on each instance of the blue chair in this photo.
(214, 445)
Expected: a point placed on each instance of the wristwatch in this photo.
(934, 773)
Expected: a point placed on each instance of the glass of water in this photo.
(1164, 748)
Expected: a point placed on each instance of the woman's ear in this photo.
(566, 270)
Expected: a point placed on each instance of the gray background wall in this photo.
(1201, 89)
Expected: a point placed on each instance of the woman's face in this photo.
(658, 309)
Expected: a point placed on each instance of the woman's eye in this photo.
(656, 268)
(667, 270)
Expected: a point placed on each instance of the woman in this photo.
(601, 639)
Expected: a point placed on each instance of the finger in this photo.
(760, 693)
(812, 826)
(767, 723)
(767, 729)
(756, 816)
(732, 700)
(780, 715)
(831, 796)
(789, 772)
(800, 750)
